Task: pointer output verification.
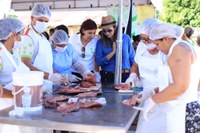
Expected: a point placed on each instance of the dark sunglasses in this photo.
(83, 50)
(105, 31)
(83, 55)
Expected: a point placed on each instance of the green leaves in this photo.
(186, 13)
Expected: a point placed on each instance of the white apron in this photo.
(168, 117)
(43, 60)
(148, 68)
(11, 64)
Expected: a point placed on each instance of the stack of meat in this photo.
(88, 103)
(88, 81)
(69, 90)
(53, 102)
(66, 107)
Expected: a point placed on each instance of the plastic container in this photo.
(28, 90)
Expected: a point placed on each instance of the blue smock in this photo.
(63, 61)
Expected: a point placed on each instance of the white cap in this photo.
(41, 10)
(60, 37)
(147, 25)
(8, 26)
(166, 30)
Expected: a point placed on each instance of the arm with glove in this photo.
(57, 78)
(82, 69)
(71, 80)
(133, 78)
(131, 81)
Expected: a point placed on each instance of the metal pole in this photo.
(118, 65)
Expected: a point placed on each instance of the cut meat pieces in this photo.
(90, 78)
(88, 81)
(86, 84)
(90, 104)
(87, 94)
(66, 108)
(71, 90)
(53, 102)
(122, 87)
(131, 101)
(56, 98)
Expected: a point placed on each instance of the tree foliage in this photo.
(181, 12)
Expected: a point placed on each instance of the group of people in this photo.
(65, 60)
(168, 69)
(165, 64)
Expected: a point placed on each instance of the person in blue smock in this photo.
(64, 57)
(106, 50)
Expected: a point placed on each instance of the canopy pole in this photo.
(118, 64)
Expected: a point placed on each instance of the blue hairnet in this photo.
(41, 10)
(147, 25)
(166, 30)
(60, 37)
(8, 26)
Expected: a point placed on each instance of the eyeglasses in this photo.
(20, 32)
(83, 52)
(105, 31)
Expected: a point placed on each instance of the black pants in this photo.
(108, 77)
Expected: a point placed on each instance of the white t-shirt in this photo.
(88, 61)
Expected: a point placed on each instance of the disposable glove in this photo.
(72, 78)
(57, 78)
(147, 107)
(98, 76)
(87, 75)
(78, 65)
(87, 72)
(144, 95)
(138, 83)
(131, 81)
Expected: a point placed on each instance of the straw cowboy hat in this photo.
(107, 21)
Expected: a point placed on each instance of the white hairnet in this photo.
(166, 30)
(41, 10)
(147, 25)
(60, 37)
(8, 26)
